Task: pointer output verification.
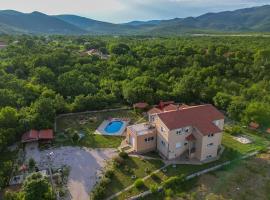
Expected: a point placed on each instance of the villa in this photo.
(192, 132)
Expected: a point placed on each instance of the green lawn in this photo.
(92, 140)
(259, 142)
(73, 121)
(233, 150)
(133, 166)
(250, 176)
(178, 170)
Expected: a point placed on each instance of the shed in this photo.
(140, 105)
(30, 136)
(254, 125)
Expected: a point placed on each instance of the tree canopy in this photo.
(42, 76)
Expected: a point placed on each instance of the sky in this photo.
(119, 11)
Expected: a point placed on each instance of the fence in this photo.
(86, 112)
(198, 173)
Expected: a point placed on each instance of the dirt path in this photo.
(85, 165)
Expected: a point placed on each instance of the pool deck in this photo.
(101, 129)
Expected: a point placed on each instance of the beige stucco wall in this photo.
(210, 150)
(162, 136)
(198, 144)
(181, 139)
(140, 146)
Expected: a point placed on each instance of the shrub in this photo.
(123, 155)
(154, 188)
(139, 183)
(168, 193)
(12, 195)
(118, 161)
(98, 193)
(75, 137)
(62, 192)
(147, 170)
(236, 130)
(109, 173)
(154, 176)
(170, 182)
(31, 163)
(127, 169)
(105, 181)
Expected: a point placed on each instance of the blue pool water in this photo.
(113, 127)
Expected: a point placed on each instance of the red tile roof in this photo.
(170, 107)
(190, 137)
(140, 105)
(29, 136)
(183, 106)
(34, 135)
(158, 109)
(154, 111)
(268, 130)
(46, 134)
(200, 117)
(162, 104)
(254, 125)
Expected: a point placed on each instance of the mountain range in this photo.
(255, 19)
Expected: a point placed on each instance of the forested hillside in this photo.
(44, 76)
(247, 20)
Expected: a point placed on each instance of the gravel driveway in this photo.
(85, 165)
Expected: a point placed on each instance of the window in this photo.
(216, 122)
(149, 139)
(211, 135)
(209, 156)
(162, 142)
(178, 145)
(210, 144)
(186, 143)
(179, 131)
(186, 130)
(162, 129)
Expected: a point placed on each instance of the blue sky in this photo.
(128, 10)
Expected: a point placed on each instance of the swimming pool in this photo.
(113, 127)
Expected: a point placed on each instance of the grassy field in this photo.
(259, 141)
(93, 120)
(132, 166)
(244, 180)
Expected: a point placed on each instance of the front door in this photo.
(132, 141)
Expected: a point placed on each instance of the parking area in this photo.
(85, 165)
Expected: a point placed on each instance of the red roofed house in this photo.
(34, 135)
(164, 107)
(46, 135)
(254, 125)
(30, 136)
(140, 105)
(192, 131)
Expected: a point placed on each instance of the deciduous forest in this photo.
(41, 76)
